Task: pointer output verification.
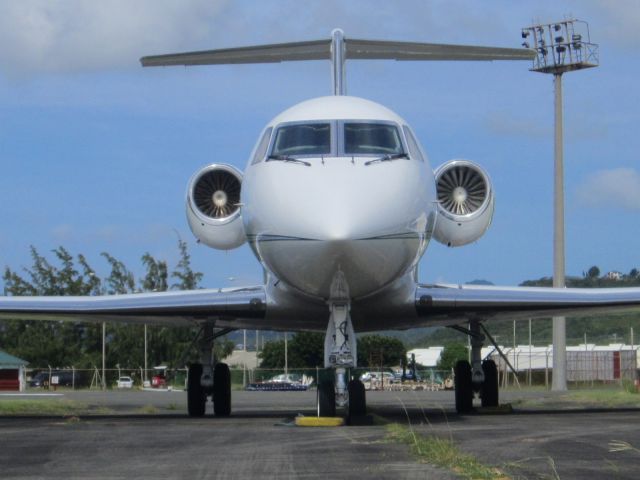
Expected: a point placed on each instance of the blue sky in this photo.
(96, 152)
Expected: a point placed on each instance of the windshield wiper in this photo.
(287, 158)
(388, 158)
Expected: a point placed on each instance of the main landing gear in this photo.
(479, 376)
(204, 379)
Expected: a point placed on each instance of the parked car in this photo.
(287, 378)
(39, 380)
(388, 377)
(408, 376)
(125, 382)
(55, 378)
(158, 381)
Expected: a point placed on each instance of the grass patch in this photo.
(442, 452)
(148, 410)
(629, 387)
(603, 398)
(612, 396)
(42, 406)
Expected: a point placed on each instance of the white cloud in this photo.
(617, 22)
(617, 188)
(72, 35)
(62, 233)
(78, 35)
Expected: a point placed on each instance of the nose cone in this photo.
(338, 216)
(340, 200)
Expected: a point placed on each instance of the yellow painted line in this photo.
(319, 421)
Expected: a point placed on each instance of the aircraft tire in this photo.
(489, 389)
(357, 399)
(326, 399)
(463, 387)
(196, 396)
(222, 390)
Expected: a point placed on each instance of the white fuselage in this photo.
(338, 215)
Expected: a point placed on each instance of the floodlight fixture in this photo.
(570, 40)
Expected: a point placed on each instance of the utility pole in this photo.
(560, 47)
(286, 355)
(104, 351)
(144, 377)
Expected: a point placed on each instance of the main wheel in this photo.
(222, 390)
(463, 387)
(357, 399)
(326, 399)
(196, 396)
(489, 388)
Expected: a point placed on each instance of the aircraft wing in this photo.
(451, 304)
(163, 308)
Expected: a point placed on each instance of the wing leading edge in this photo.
(165, 308)
(451, 304)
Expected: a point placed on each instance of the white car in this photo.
(375, 376)
(286, 378)
(125, 382)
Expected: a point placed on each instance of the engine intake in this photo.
(465, 203)
(213, 206)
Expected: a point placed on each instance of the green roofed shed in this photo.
(12, 372)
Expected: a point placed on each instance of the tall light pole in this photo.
(561, 47)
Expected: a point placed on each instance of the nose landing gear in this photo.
(340, 354)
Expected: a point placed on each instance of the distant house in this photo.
(427, 357)
(613, 275)
(12, 372)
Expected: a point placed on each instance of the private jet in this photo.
(338, 203)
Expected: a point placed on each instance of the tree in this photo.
(633, 273)
(172, 345)
(272, 354)
(452, 352)
(188, 279)
(222, 348)
(304, 350)
(53, 343)
(155, 279)
(63, 344)
(593, 273)
(371, 347)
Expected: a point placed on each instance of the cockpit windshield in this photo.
(371, 139)
(302, 139)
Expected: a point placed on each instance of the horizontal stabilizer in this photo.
(376, 49)
(316, 50)
(354, 49)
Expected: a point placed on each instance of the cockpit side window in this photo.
(367, 138)
(261, 150)
(303, 139)
(414, 148)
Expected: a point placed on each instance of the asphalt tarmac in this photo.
(136, 434)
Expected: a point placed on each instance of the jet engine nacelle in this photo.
(465, 203)
(213, 206)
